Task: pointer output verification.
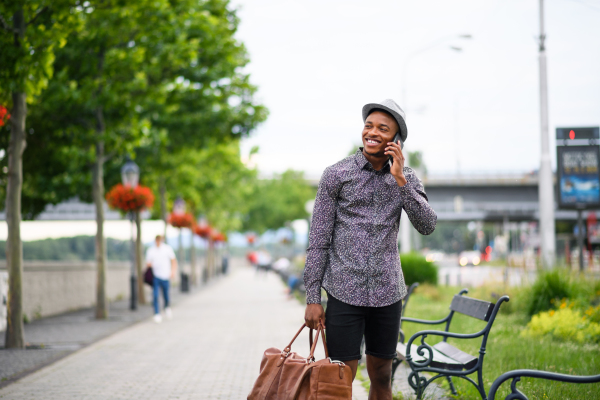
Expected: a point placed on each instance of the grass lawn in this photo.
(506, 349)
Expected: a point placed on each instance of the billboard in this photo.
(578, 176)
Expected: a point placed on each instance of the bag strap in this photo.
(321, 330)
(288, 348)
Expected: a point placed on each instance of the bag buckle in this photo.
(340, 363)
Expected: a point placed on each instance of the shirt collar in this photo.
(363, 163)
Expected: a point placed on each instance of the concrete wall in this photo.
(54, 287)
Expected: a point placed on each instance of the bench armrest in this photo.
(425, 321)
(517, 374)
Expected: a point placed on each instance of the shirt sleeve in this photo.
(172, 254)
(415, 204)
(149, 255)
(319, 238)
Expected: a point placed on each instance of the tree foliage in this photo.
(275, 202)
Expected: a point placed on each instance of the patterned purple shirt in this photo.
(353, 252)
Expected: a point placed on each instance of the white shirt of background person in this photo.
(160, 257)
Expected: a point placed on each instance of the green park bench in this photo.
(444, 359)
(517, 374)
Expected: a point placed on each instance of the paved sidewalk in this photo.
(52, 338)
(210, 350)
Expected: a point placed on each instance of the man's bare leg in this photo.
(353, 364)
(380, 374)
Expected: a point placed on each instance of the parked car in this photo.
(434, 256)
(469, 258)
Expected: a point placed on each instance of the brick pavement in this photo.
(52, 338)
(210, 350)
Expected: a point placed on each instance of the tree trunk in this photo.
(139, 258)
(98, 194)
(193, 260)
(14, 248)
(14, 337)
(163, 204)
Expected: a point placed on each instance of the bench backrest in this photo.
(472, 307)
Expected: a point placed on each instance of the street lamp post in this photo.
(179, 209)
(405, 227)
(130, 175)
(546, 185)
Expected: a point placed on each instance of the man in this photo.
(353, 252)
(161, 258)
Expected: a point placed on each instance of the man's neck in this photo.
(376, 162)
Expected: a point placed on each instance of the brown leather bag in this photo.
(285, 375)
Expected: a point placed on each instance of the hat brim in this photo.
(401, 123)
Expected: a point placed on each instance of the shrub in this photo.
(566, 323)
(417, 269)
(548, 287)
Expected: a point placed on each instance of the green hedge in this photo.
(417, 269)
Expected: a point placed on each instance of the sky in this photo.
(476, 110)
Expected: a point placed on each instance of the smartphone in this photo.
(397, 139)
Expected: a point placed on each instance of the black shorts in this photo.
(346, 324)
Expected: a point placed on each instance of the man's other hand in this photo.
(312, 315)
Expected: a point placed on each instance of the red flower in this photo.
(185, 220)
(126, 198)
(3, 113)
(203, 230)
(218, 237)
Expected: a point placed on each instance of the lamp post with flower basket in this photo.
(219, 239)
(203, 230)
(131, 198)
(179, 218)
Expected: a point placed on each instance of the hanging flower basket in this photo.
(4, 115)
(218, 237)
(181, 220)
(202, 230)
(127, 198)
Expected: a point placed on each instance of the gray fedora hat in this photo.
(390, 106)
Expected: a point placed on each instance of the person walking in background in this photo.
(161, 258)
(353, 252)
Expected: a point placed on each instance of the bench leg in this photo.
(452, 388)
(395, 363)
(418, 383)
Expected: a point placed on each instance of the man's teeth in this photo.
(371, 141)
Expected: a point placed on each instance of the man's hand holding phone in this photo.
(394, 150)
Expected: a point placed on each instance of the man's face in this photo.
(158, 241)
(380, 128)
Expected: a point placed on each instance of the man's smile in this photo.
(370, 142)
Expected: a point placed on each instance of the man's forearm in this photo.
(316, 261)
(421, 214)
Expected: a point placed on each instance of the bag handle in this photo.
(320, 329)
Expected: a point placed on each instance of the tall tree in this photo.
(30, 33)
(93, 102)
(208, 99)
(159, 76)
